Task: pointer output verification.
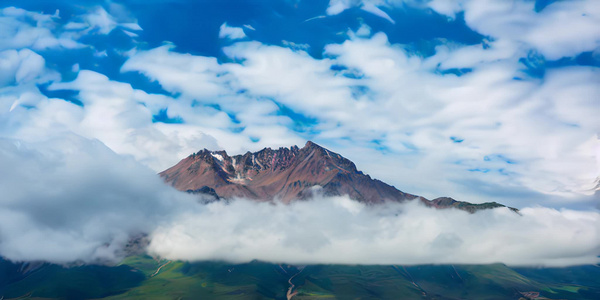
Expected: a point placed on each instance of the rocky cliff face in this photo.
(288, 174)
(284, 173)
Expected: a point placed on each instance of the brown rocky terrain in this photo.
(288, 174)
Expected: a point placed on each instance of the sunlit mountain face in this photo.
(287, 149)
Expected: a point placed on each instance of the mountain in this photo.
(285, 173)
(289, 174)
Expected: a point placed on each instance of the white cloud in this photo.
(131, 26)
(32, 66)
(20, 71)
(75, 26)
(445, 7)
(371, 8)
(232, 33)
(411, 111)
(100, 20)
(17, 30)
(20, 28)
(118, 115)
(494, 113)
(561, 29)
(533, 136)
(377, 96)
(203, 81)
(363, 31)
(178, 73)
(337, 6)
(341, 231)
(69, 199)
(122, 118)
(302, 82)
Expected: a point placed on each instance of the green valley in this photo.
(142, 277)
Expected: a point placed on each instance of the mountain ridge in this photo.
(289, 174)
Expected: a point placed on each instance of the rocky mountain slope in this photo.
(288, 174)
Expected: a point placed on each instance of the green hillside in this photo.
(142, 277)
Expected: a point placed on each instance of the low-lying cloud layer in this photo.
(342, 231)
(71, 199)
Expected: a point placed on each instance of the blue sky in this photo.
(478, 100)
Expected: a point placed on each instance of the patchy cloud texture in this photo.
(507, 116)
(404, 118)
(233, 33)
(412, 112)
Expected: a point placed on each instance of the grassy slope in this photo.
(257, 280)
(179, 280)
(52, 281)
(137, 278)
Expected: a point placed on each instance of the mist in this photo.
(73, 200)
(337, 230)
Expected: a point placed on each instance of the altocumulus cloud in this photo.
(517, 21)
(437, 133)
(233, 33)
(500, 116)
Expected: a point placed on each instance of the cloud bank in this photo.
(73, 200)
(342, 231)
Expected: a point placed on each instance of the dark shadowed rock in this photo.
(205, 191)
(447, 202)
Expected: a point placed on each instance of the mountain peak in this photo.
(289, 174)
(284, 173)
(314, 146)
(311, 144)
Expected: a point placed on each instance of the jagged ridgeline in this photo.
(289, 174)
